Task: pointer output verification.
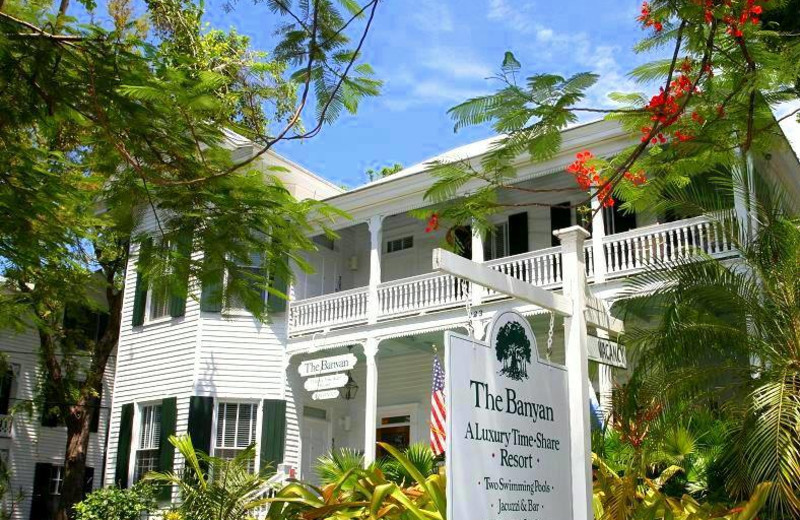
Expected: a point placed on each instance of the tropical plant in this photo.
(373, 496)
(212, 488)
(419, 455)
(633, 495)
(374, 174)
(724, 332)
(117, 504)
(332, 466)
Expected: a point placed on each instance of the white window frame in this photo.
(401, 241)
(57, 479)
(410, 409)
(135, 433)
(150, 302)
(237, 310)
(214, 425)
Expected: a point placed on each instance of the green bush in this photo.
(113, 503)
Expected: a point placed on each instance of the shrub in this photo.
(113, 503)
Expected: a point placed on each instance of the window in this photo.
(399, 244)
(236, 429)
(159, 301)
(149, 441)
(496, 245)
(56, 480)
(249, 278)
(83, 325)
(7, 388)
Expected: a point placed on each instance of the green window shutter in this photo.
(139, 297)
(88, 481)
(276, 303)
(95, 404)
(177, 300)
(273, 433)
(125, 437)
(518, 233)
(201, 412)
(166, 451)
(140, 290)
(211, 294)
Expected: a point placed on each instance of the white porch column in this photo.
(598, 233)
(476, 291)
(375, 224)
(577, 361)
(371, 412)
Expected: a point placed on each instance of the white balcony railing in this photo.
(625, 254)
(6, 424)
(665, 244)
(329, 310)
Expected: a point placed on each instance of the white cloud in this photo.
(516, 16)
(433, 17)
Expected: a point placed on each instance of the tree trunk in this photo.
(78, 425)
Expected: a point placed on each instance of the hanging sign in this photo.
(607, 352)
(325, 394)
(325, 382)
(508, 445)
(327, 365)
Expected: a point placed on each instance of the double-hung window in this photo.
(496, 244)
(249, 278)
(148, 441)
(236, 429)
(56, 480)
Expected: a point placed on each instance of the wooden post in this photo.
(598, 233)
(577, 361)
(371, 401)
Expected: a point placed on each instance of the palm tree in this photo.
(212, 488)
(727, 332)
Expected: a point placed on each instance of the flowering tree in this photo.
(729, 63)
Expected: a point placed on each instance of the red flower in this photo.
(433, 223)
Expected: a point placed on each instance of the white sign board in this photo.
(325, 382)
(325, 394)
(327, 365)
(607, 352)
(508, 446)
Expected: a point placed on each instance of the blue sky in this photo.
(433, 54)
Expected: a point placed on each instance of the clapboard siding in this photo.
(30, 441)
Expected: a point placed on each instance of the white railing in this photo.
(625, 254)
(664, 244)
(6, 424)
(542, 267)
(274, 484)
(419, 293)
(329, 310)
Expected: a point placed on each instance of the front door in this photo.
(316, 439)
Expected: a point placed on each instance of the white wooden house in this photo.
(230, 381)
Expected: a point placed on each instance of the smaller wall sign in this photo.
(325, 394)
(328, 382)
(607, 352)
(327, 365)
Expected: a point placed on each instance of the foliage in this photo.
(111, 134)
(372, 496)
(116, 503)
(723, 333)
(332, 466)
(385, 171)
(419, 455)
(632, 495)
(211, 488)
(710, 108)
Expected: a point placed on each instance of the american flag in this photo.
(438, 413)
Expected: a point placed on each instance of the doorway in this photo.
(317, 441)
(394, 427)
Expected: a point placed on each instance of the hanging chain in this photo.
(465, 286)
(550, 335)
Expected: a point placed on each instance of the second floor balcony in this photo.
(608, 257)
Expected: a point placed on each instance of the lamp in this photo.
(350, 389)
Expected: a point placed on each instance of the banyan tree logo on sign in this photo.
(513, 349)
